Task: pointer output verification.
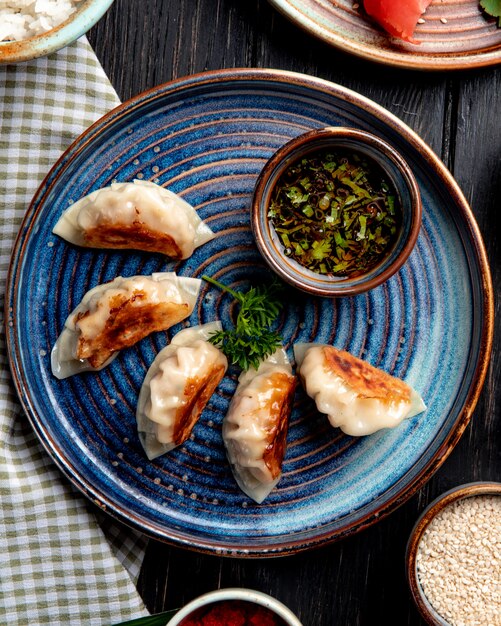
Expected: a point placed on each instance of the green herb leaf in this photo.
(491, 7)
(251, 340)
(321, 249)
(296, 196)
(363, 227)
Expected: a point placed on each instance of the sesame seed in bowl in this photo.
(454, 557)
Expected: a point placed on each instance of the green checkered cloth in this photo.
(61, 561)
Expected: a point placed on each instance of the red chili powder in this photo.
(233, 613)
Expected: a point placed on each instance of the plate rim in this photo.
(280, 546)
(438, 62)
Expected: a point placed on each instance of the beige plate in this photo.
(455, 34)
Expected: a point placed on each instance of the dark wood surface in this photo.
(143, 43)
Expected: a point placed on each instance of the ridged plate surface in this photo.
(206, 138)
(455, 34)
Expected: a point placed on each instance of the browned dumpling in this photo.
(177, 387)
(356, 396)
(118, 314)
(139, 215)
(255, 427)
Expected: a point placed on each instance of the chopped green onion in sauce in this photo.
(335, 213)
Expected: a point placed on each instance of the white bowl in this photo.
(247, 595)
(59, 37)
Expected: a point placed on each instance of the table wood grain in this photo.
(143, 43)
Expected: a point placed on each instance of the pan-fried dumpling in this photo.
(255, 427)
(177, 386)
(356, 396)
(117, 315)
(139, 216)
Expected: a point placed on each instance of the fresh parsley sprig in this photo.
(493, 8)
(251, 340)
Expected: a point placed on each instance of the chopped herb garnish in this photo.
(251, 340)
(335, 213)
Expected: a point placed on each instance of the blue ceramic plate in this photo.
(207, 137)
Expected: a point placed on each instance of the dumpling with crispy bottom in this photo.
(356, 396)
(255, 426)
(177, 387)
(136, 216)
(118, 314)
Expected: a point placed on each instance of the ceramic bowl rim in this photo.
(237, 593)
(305, 143)
(77, 24)
(460, 492)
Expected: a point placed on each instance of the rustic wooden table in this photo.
(359, 580)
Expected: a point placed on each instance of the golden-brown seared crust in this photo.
(135, 236)
(365, 379)
(198, 391)
(281, 387)
(129, 322)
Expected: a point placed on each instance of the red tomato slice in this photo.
(397, 17)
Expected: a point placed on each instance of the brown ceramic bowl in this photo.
(469, 490)
(395, 170)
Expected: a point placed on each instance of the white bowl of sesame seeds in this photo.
(454, 557)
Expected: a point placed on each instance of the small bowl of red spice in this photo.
(235, 607)
(336, 211)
